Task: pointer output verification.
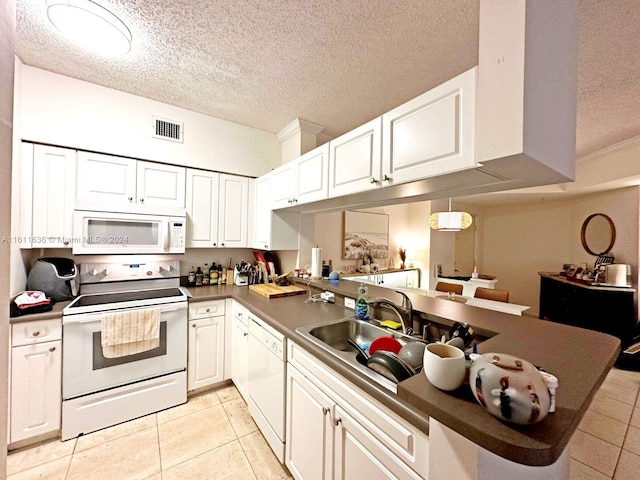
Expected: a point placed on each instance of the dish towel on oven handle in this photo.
(131, 332)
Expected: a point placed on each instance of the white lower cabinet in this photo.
(205, 360)
(337, 431)
(36, 378)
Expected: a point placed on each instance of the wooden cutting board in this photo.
(271, 290)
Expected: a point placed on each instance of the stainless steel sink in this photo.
(332, 337)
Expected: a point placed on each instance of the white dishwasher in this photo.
(266, 382)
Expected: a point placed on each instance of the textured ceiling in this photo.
(338, 63)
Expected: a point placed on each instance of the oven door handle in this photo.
(72, 319)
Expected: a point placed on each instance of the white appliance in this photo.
(266, 383)
(97, 391)
(146, 231)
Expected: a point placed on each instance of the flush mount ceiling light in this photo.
(450, 221)
(90, 26)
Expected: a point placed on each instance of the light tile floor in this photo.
(213, 436)
(607, 443)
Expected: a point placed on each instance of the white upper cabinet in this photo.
(302, 180)
(217, 210)
(160, 185)
(262, 230)
(125, 181)
(106, 178)
(283, 186)
(354, 160)
(202, 209)
(312, 175)
(233, 217)
(431, 134)
(48, 194)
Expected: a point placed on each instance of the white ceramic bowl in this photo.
(444, 366)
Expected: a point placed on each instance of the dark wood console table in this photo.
(604, 309)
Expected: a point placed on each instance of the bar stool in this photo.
(449, 287)
(492, 294)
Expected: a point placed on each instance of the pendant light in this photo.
(450, 221)
(90, 25)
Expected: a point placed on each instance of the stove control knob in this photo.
(149, 273)
(106, 272)
(171, 269)
(160, 269)
(93, 272)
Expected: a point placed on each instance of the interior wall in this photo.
(63, 111)
(408, 228)
(7, 48)
(518, 241)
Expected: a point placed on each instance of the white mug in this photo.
(444, 366)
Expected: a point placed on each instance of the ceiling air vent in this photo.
(168, 130)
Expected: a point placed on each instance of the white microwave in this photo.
(102, 233)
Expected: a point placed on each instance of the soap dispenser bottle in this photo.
(362, 306)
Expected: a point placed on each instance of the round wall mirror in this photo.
(598, 234)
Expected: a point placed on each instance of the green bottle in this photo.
(362, 306)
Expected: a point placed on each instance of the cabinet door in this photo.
(160, 185)
(431, 134)
(358, 451)
(283, 186)
(240, 356)
(54, 172)
(312, 175)
(309, 444)
(202, 209)
(262, 230)
(233, 211)
(36, 378)
(354, 160)
(206, 352)
(106, 178)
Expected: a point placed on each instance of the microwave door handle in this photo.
(167, 237)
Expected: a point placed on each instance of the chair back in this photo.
(492, 294)
(449, 287)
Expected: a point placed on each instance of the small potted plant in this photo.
(403, 256)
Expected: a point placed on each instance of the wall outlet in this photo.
(349, 303)
(328, 297)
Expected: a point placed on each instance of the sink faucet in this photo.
(405, 312)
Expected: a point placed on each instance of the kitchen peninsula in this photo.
(457, 413)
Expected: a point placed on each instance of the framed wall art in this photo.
(365, 234)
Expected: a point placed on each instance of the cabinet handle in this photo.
(325, 410)
(65, 242)
(385, 178)
(142, 200)
(52, 349)
(337, 421)
(214, 244)
(131, 199)
(36, 333)
(373, 180)
(193, 325)
(295, 200)
(245, 334)
(289, 201)
(222, 244)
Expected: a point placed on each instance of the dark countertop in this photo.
(585, 283)
(580, 359)
(55, 312)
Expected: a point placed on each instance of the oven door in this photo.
(86, 370)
